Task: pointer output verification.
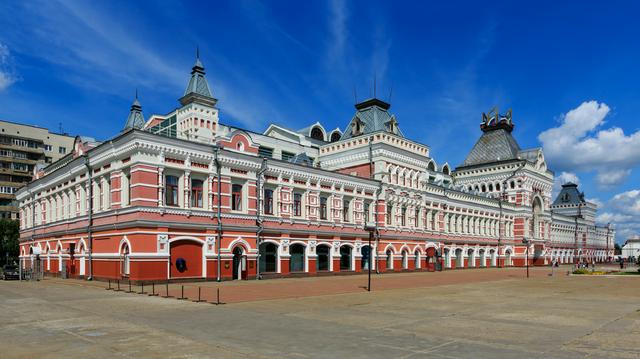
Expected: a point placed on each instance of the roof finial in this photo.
(374, 84)
(136, 93)
(197, 52)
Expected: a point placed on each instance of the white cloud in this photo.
(627, 202)
(107, 52)
(562, 178)
(338, 29)
(579, 144)
(623, 210)
(596, 201)
(7, 73)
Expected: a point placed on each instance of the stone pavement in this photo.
(458, 314)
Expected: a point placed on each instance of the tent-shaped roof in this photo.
(569, 195)
(493, 146)
(372, 116)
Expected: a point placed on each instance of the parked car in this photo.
(10, 272)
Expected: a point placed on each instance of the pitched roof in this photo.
(198, 88)
(372, 115)
(135, 118)
(493, 146)
(301, 159)
(569, 195)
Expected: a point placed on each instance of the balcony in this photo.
(13, 172)
(9, 146)
(9, 209)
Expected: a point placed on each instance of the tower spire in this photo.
(198, 89)
(136, 118)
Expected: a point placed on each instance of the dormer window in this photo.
(392, 126)
(357, 127)
(565, 197)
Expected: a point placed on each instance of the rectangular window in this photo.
(345, 211)
(417, 219)
(389, 214)
(323, 207)
(48, 148)
(265, 152)
(20, 167)
(236, 197)
(62, 150)
(171, 190)
(403, 220)
(297, 204)
(367, 214)
(268, 201)
(286, 156)
(196, 193)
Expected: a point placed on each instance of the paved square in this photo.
(483, 314)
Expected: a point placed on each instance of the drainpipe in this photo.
(89, 216)
(216, 150)
(261, 172)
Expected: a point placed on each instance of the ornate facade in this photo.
(182, 195)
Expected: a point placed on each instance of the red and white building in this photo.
(183, 196)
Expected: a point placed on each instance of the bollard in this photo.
(153, 289)
(199, 297)
(218, 300)
(182, 293)
(167, 290)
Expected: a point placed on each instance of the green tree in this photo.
(9, 239)
(617, 250)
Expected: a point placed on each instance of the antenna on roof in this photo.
(390, 92)
(355, 95)
(374, 84)
(136, 93)
(60, 127)
(197, 52)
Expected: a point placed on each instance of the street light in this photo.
(526, 242)
(371, 228)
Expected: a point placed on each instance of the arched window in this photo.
(126, 266)
(445, 170)
(335, 136)
(365, 252)
(316, 133)
(389, 259)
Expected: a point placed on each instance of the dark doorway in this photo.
(237, 263)
(322, 263)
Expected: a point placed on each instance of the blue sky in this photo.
(569, 70)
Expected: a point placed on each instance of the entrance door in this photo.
(82, 263)
(238, 263)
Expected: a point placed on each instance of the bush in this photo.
(582, 271)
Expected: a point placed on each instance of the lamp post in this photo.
(371, 228)
(526, 242)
